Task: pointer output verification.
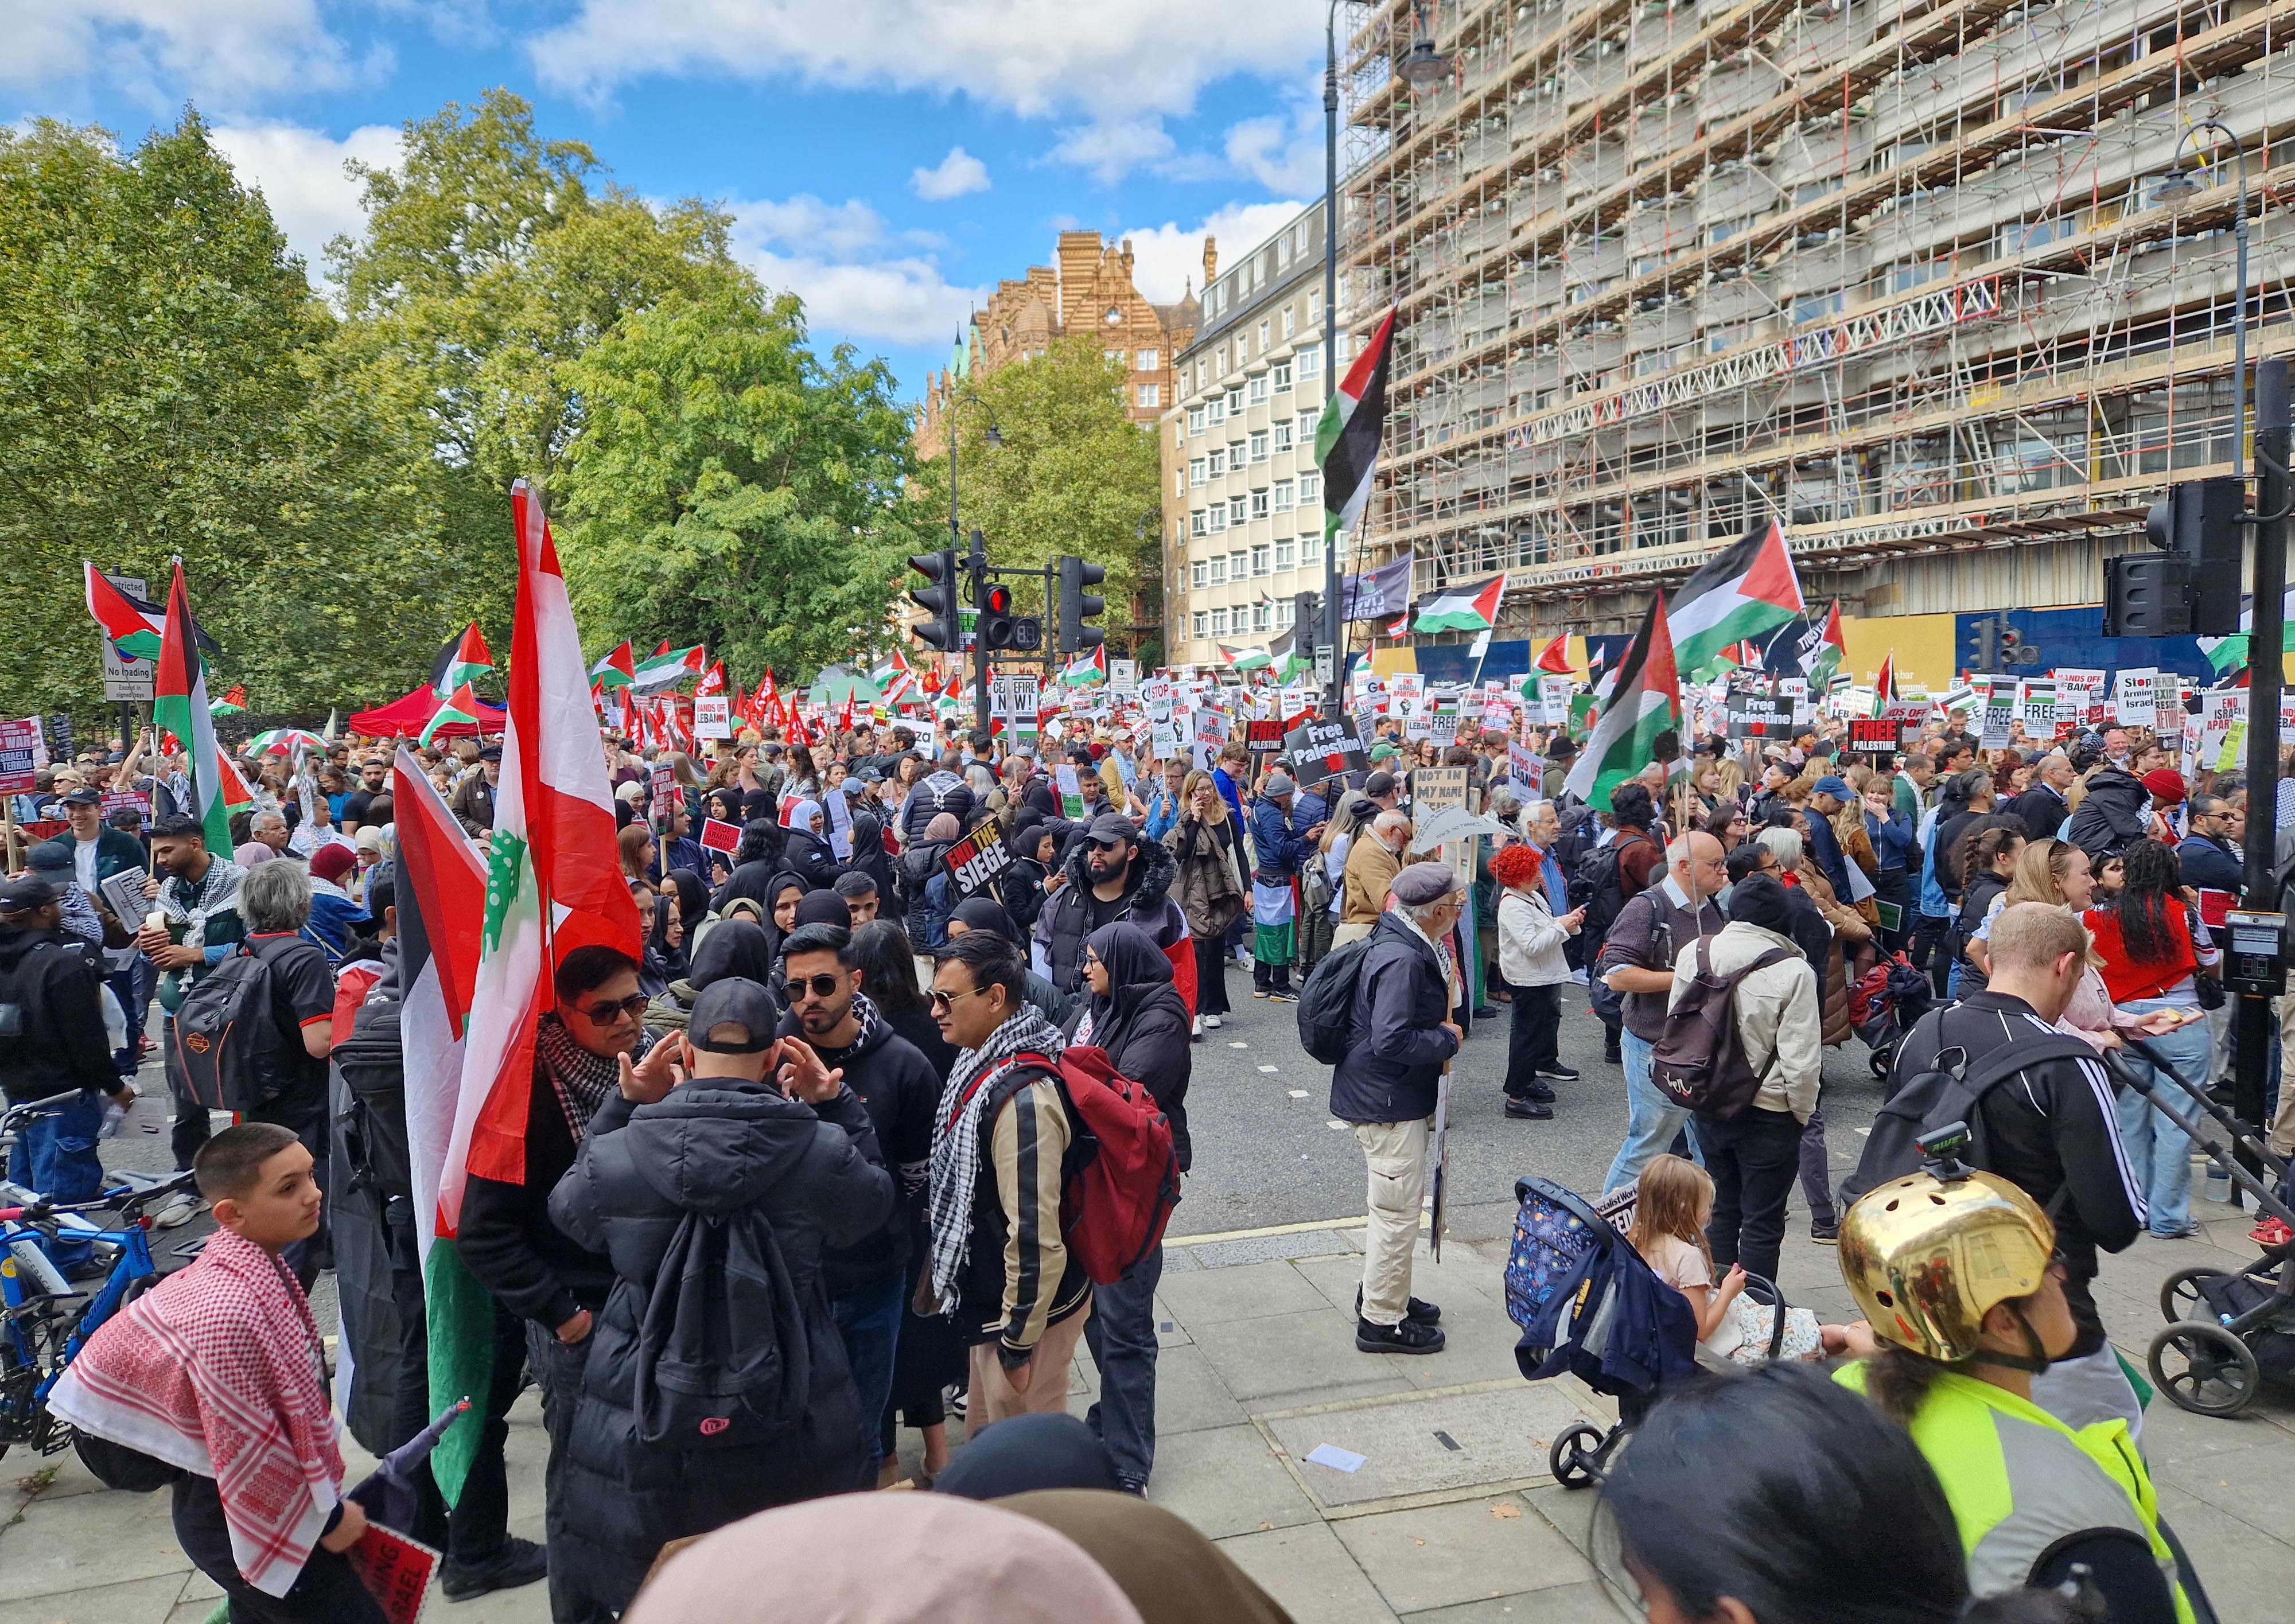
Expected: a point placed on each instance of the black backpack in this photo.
(1699, 1060)
(373, 1065)
(1599, 887)
(1948, 1092)
(1326, 1003)
(228, 1054)
(720, 1360)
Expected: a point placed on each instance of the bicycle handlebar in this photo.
(123, 1198)
(32, 1106)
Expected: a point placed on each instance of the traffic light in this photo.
(2147, 594)
(2199, 524)
(2013, 650)
(1077, 605)
(1306, 624)
(945, 629)
(1984, 644)
(994, 599)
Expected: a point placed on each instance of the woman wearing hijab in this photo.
(868, 854)
(1034, 846)
(755, 860)
(688, 901)
(984, 912)
(807, 854)
(1136, 1016)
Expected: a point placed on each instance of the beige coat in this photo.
(1371, 869)
(1778, 1019)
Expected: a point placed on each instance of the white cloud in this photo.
(1165, 257)
(231, 53)
(857, 277)
(300, 173)
(1284, 155)
(1113, 148)
(954, 176)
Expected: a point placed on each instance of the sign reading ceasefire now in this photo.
(976, 859)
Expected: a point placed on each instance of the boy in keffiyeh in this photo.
(219, 1372)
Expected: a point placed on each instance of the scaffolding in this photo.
(1899, 275)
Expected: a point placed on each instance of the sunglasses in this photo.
(606, 1015)
(947, 1000)
(822, 986)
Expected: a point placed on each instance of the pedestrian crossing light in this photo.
(942, 626)
(1078, 605)
(994, 599)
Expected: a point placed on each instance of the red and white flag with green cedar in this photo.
(1348, 436)
(553, 885)
(179, 705)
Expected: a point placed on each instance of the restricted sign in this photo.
(977, 859)
(127, 679)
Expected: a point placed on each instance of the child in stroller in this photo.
(1883, 1004)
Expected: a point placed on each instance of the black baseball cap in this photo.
(1111, 826)
(84, 795)
(732, 1017)
(25, 893)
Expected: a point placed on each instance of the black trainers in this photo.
(1612, 1053)
(1408, 1337)
(1557, 1072)
(1418, 1313)
(1824, 1234)
(1281, 995)
(519, 1562)
(1532, 1109)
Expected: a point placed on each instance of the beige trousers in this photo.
(1395, 1155)
(993, 1397)
(1345, 933)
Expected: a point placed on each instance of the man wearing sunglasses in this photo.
(1110, 875)
(831, 1016)
(512, 1248)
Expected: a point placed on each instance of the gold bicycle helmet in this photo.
(1927, 1257)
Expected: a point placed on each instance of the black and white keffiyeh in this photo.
(582, 1081)
(956, 1138)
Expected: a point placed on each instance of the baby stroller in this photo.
(1588, 1305)
(2228, 1329)
(1883, 1004)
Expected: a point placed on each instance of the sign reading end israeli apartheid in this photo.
(976, 859)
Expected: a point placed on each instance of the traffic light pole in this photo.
(976, 572)
(2266, 676)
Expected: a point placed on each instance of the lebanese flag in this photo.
(1400, 627)
(1556, 656)
(617, 669)
(553, 881)
(1471, 607)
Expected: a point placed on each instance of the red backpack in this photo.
(1122, 1176)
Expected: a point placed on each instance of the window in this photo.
(1258, 617)
(1217, 409)
(1194, 419)
(1223, 359)
(1259, 390)
(1218, 518)
(1262, 338)
(1237, 509)
(1201, 622)
(1218, 563)
(1283, 377)
(1199, 575)
(1310, 488)
(1283, 434)
(1258, 445)
(1287, 613)
(1311, 361)
(1238, 565)
(1315, 306)
(1147, 361)
(1285, 555)
(1259, 558)
(1195, 465)
(1215, 463)
(1307, 421)
(1179, 482)
(1199, 523)
(1151, 393)
(1235, 456)
(1259, 504)
(1241, 347)
(1310, 548)
(1219, 622)
(1235, 403)
(1283, 503)
(1290, 320)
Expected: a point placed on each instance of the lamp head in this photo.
(1424, 65)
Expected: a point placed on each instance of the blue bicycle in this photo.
(44, 1321)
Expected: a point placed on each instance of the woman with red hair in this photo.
(1530, 938)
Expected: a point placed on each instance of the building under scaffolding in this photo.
(1901, 275)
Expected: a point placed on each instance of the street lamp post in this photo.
(1424, 65)
(2179, 183)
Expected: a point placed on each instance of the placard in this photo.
(1322, 749)
(60, 736)
(719, 835)
(1554, 699)
(1123, 676)
(981, 856)
(395, 1569)
(1998, 721)
(22, 752)
(712, 717)
(125, 679)
(1071, 788)
(2134, 704)
(1883, 735)
(128, 800)
(1264, 735)
(1761, 716)
(1526, 768)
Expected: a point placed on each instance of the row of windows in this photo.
(1224, 459)
(1262, 560)
(1287, 319)
(1243, 617)
(1282, 497)
(1252, 391)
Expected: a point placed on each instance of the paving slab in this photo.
(1226, 1481)
(1284, 1355)
(1245, 1291)
(1267, 1248)
(1474, 1550)
(2234, 1557)
(1427, 1443)
(138, 1601)
(1580, 1604)
(83, 1541)
(1189, 1396)
(1310, 1573)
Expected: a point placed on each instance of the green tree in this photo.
(1074, 475)
(732, 487)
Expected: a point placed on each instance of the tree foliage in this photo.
(1074, 475)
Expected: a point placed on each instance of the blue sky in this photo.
(887, 160)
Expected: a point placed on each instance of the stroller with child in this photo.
(1883, 1004)
(1590, 1307)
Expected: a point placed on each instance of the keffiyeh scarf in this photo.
(956, 1139)
(582, 1081)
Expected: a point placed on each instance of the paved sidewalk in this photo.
(1452, 1516)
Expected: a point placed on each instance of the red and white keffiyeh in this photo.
(217, 1370)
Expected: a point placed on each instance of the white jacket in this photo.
(1529, 940)
(1780, 1019)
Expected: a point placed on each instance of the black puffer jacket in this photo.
(712, 1147)
(58, 994)
(808, 856)
(933, 795)
(2117, 810)
(900, 1088)
(1056, 950)
(1394, 1062)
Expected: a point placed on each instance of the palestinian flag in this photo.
(1824, 656)
(134, 626)
(1556, 656)
(1347, 440)
(1086, 670)
(1237, 658)
(442, 915)
(1748, 588)
(463, 709)
(1471, 607)
(460, 659)
(617, 670)
(233, 702)
(553, 885)
(1884, 687)
(179, 705)
(894, 680)
(667, 667)
(1644, 701)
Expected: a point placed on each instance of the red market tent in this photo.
(405, 718)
